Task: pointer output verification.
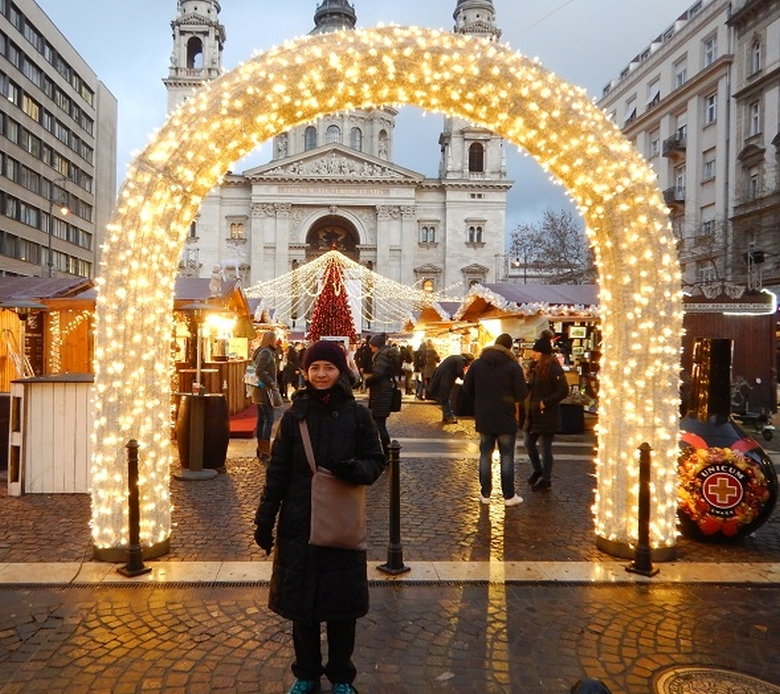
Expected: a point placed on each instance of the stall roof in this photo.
(557, 300)
(39, 288)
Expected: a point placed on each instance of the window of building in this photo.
(237, 230)
(755, 57)
(356, 139)
(31, 107)
(680, 73)
(710, 109)
(428, 285)
(753, 183)
(476, 158)
(706, 272)
(654, 93)
(754, 118)
(193, 230)
(630, 111)
(476, 233)
(428, 233)
(310, 138)
(679, 182)
(655, 144)
(708, 165)
(333, 135)
(710, 50)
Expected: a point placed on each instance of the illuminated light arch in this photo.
(486, 83)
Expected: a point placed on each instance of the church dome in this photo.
(334, 15)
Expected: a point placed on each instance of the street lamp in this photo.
(63, 210)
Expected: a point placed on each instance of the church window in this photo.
(236, 230)
(476, 158)
(194, 54)
(310, 138)
(476, 233)
(356, 139)
(428, 233)
(194, 230)
(428, 285)
(333, 135)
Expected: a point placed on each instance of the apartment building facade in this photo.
(701, 104)
(58, 130)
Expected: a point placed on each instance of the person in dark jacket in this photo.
(547, 386)
(495, 384)
(292, 369)
(264, 358)
(311, 584)
(443, 381)
(381, 383)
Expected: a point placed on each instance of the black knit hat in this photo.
(378, 340)
(326, 350)
(544, 346)
(505, 340)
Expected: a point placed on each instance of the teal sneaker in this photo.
(304, 687)
(344, 688)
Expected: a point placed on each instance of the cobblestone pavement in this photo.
(442, 519)
(451, 636)
(529, 639)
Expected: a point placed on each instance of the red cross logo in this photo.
(722, 490)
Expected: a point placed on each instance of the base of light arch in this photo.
(625, 551)
(117, 555)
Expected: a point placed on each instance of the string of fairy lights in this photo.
(490, 85)
(383, 304)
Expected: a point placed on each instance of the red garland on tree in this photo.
(331, 315)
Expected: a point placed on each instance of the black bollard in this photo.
(395, 551)
(643, 562)
(135, 561)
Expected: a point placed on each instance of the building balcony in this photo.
(674, 145)
(674, 197)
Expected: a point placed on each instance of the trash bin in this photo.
(216, 430)
(572, 419)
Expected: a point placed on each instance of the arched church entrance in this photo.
(489, 85)
(332, 233)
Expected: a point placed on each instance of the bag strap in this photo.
(304, 427)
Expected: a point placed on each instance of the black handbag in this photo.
(395, 402)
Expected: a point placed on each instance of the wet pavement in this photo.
(498, 600)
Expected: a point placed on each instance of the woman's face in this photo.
(322, 374)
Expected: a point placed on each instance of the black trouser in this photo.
(384, 436)
(308, 654)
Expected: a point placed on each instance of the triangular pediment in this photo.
(191, 18)
(474, 269)
(427, 269)
(334, 162)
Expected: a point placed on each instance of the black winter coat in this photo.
(495, 383)
(315, 584)
(444, 377)
(381, 381)
(265, 368)
(551, 390)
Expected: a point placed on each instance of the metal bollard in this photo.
(135, 561)
(395, 553)
(643, 563)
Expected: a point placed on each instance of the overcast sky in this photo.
(586, 42)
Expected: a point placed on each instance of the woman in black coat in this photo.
(309, 584)
(547, 386)
(381, 384)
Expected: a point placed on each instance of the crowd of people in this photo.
(324, 427)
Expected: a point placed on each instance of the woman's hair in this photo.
(268, 338)
(542, 367)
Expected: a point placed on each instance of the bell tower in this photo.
(467, 151)
(198, 41)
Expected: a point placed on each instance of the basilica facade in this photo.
(333, 184)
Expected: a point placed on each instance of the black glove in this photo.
(264, 538)
(342, 468)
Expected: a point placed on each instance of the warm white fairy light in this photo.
(492, 86)
(385, 304)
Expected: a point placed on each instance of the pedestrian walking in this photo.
(443, 383)
(547, 386)
(381, 383)
(432, 360)
(494, 383)
(292, 369)
(264, 358)
(312, 584)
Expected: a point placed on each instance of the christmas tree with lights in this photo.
(331, 315)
